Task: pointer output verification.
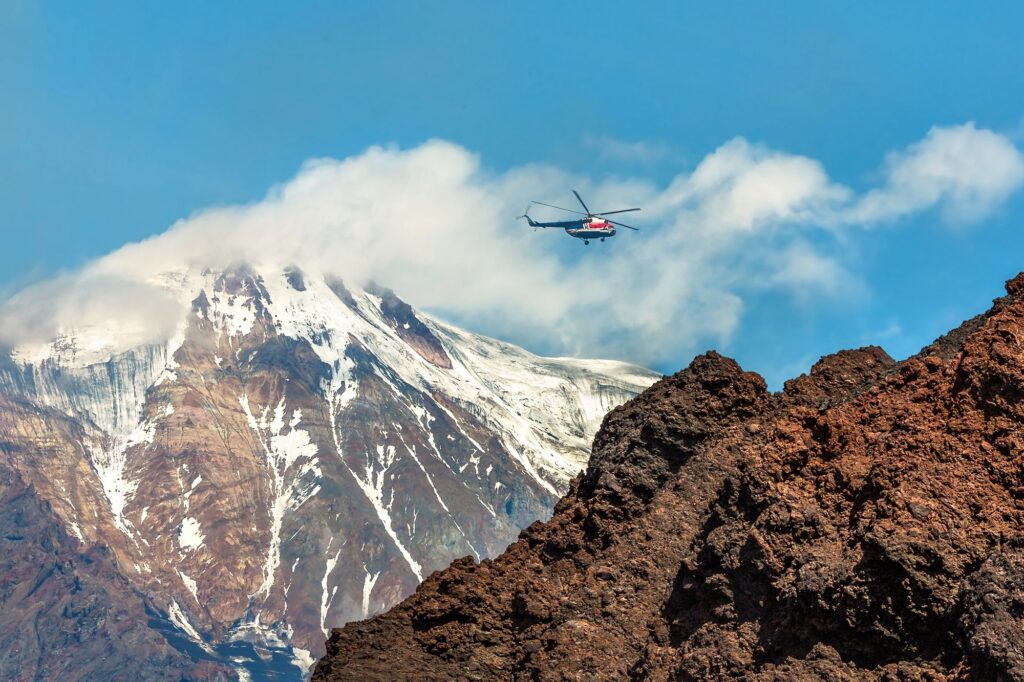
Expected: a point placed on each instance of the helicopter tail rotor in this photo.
(531, 221)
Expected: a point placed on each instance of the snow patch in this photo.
(372, 484)
(368, 582)
(180, 620)
(302, 660)
(232, 314)
(143, 433)
(325, 599)
(191, 535)
(190, 584)
(76, 530)
(283, 449)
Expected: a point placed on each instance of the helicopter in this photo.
(590, 226)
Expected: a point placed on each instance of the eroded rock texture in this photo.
(863, 524)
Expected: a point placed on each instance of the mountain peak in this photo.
(298, 453)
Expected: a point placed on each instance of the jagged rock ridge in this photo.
(866, 523)
(298, 455)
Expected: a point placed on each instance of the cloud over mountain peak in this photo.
(435, 225)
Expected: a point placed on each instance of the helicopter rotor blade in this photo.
(637, 229)
(624, 210)
(580, 199)
(569, 210)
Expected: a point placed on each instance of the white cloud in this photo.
(433, 225)
(800, 268)
(965, 172)
(636, 152)
(742, 187)
(118, 306)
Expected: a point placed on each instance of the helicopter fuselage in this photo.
(594, 229)
(584, 228)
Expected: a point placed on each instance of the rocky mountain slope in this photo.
(56, 591)
(866, 523)
(297, 456)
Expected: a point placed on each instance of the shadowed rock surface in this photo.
(57, 594)
(863, 524)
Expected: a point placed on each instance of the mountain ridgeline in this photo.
(299, 455)
(865, 523)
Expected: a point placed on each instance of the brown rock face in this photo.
(867, 523)
(411, 329)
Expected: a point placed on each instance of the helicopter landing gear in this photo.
(585, 242)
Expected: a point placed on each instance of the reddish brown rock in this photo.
(867, 523)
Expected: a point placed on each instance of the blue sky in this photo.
(119, 118)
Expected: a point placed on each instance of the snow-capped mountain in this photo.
(298, 455)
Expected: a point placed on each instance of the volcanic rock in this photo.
(866, 523)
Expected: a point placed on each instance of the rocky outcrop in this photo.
(411, 329)
(866, 523)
